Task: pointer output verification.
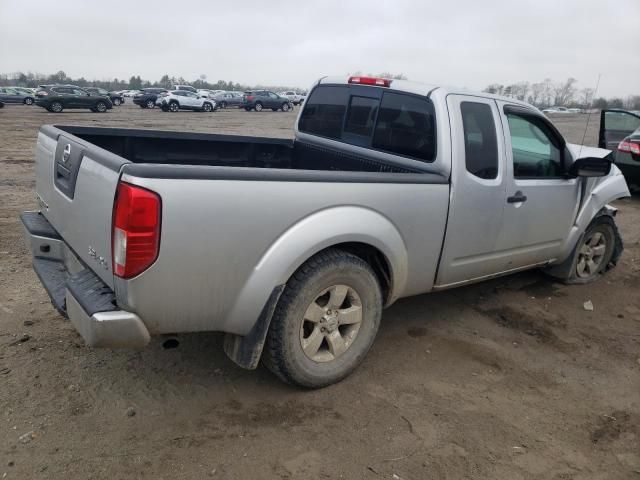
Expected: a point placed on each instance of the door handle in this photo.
(517, 198)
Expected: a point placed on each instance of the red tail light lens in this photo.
(249, 97)
(41, 93)
(378, 82)
(629, 147)
(136, 230)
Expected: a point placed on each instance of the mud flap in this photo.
(246, 350)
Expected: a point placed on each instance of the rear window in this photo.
(398, 123)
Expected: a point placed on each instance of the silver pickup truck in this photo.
(293, 247)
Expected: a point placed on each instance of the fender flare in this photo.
(252, 311)
(308, 236)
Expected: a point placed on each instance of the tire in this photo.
(285, 107)
(101, 107)
(56, 107)
(316, 353)
(207, 107)
(597, 252)
(28, 101)
(223, 104)
(258, 107)
(174, 106)
(150, 104)
(116, 102)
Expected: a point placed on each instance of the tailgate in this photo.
(76, 184)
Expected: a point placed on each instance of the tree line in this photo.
(135, 82)
(562, 94)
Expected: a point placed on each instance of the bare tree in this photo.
(564, 92)
(537, 93)
(586, 97)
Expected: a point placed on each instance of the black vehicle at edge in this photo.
(260, 99)
(147, 98)
(55, 98)
(116, 98)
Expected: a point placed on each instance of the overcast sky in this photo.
(469, 43)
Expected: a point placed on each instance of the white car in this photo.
(293, 97)
(556, 110)
(130, 93)
(175, 100)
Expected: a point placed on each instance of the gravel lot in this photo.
(508, 379)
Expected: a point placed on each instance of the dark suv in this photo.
(260, 99)
(56, 98)
(147, 97)
(116, 98)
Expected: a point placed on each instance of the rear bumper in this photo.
(77, 293)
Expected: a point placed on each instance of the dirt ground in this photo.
(509, 379)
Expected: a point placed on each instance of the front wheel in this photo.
(28, 101)
(150, 104)
(101, 107)
(223, 104)
(116, 102)
(206, 107)
(285, 107)
(325, 321)
(174, 107)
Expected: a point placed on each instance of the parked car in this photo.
(556, 110)
(620, 132)
(116, 98)
(293, 97)
(55, 98)
(203, 93)
(228, 99)
(130, 93)
(11, 95)
(148, 96)
(188, 88)
(259, 99)
(293, 247)
(25, 90)
(175, 100)
(1, 104)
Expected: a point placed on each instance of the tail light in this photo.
(378, 82)
(629, 147)
(41, 93)
(249, 97)
(136, 230)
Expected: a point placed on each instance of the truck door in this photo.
(478, 174)
(542, 203)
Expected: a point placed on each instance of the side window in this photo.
(324, 111)
(361, 116)
(406, 126)
(480, 140)
(535, 155)
(77, 91)
(621, 121)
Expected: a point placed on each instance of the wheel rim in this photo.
(331, 323)
(101, 107)
(150, 104)
(285, 107)
(258, 107)
(207, 107)
(56, 107)
(28, 101)
(591, 255)
(173, 107)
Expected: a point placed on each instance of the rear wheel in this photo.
(116, 102)
(56, 107)
(174, 107)
(101, 107)
(258, 107)
(285, 107)
(150, 104)
(325, 321)
(28, 101)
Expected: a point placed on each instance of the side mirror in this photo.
(590, 167)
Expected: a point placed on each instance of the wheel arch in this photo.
(358, 230)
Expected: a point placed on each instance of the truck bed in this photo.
(177, 148)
